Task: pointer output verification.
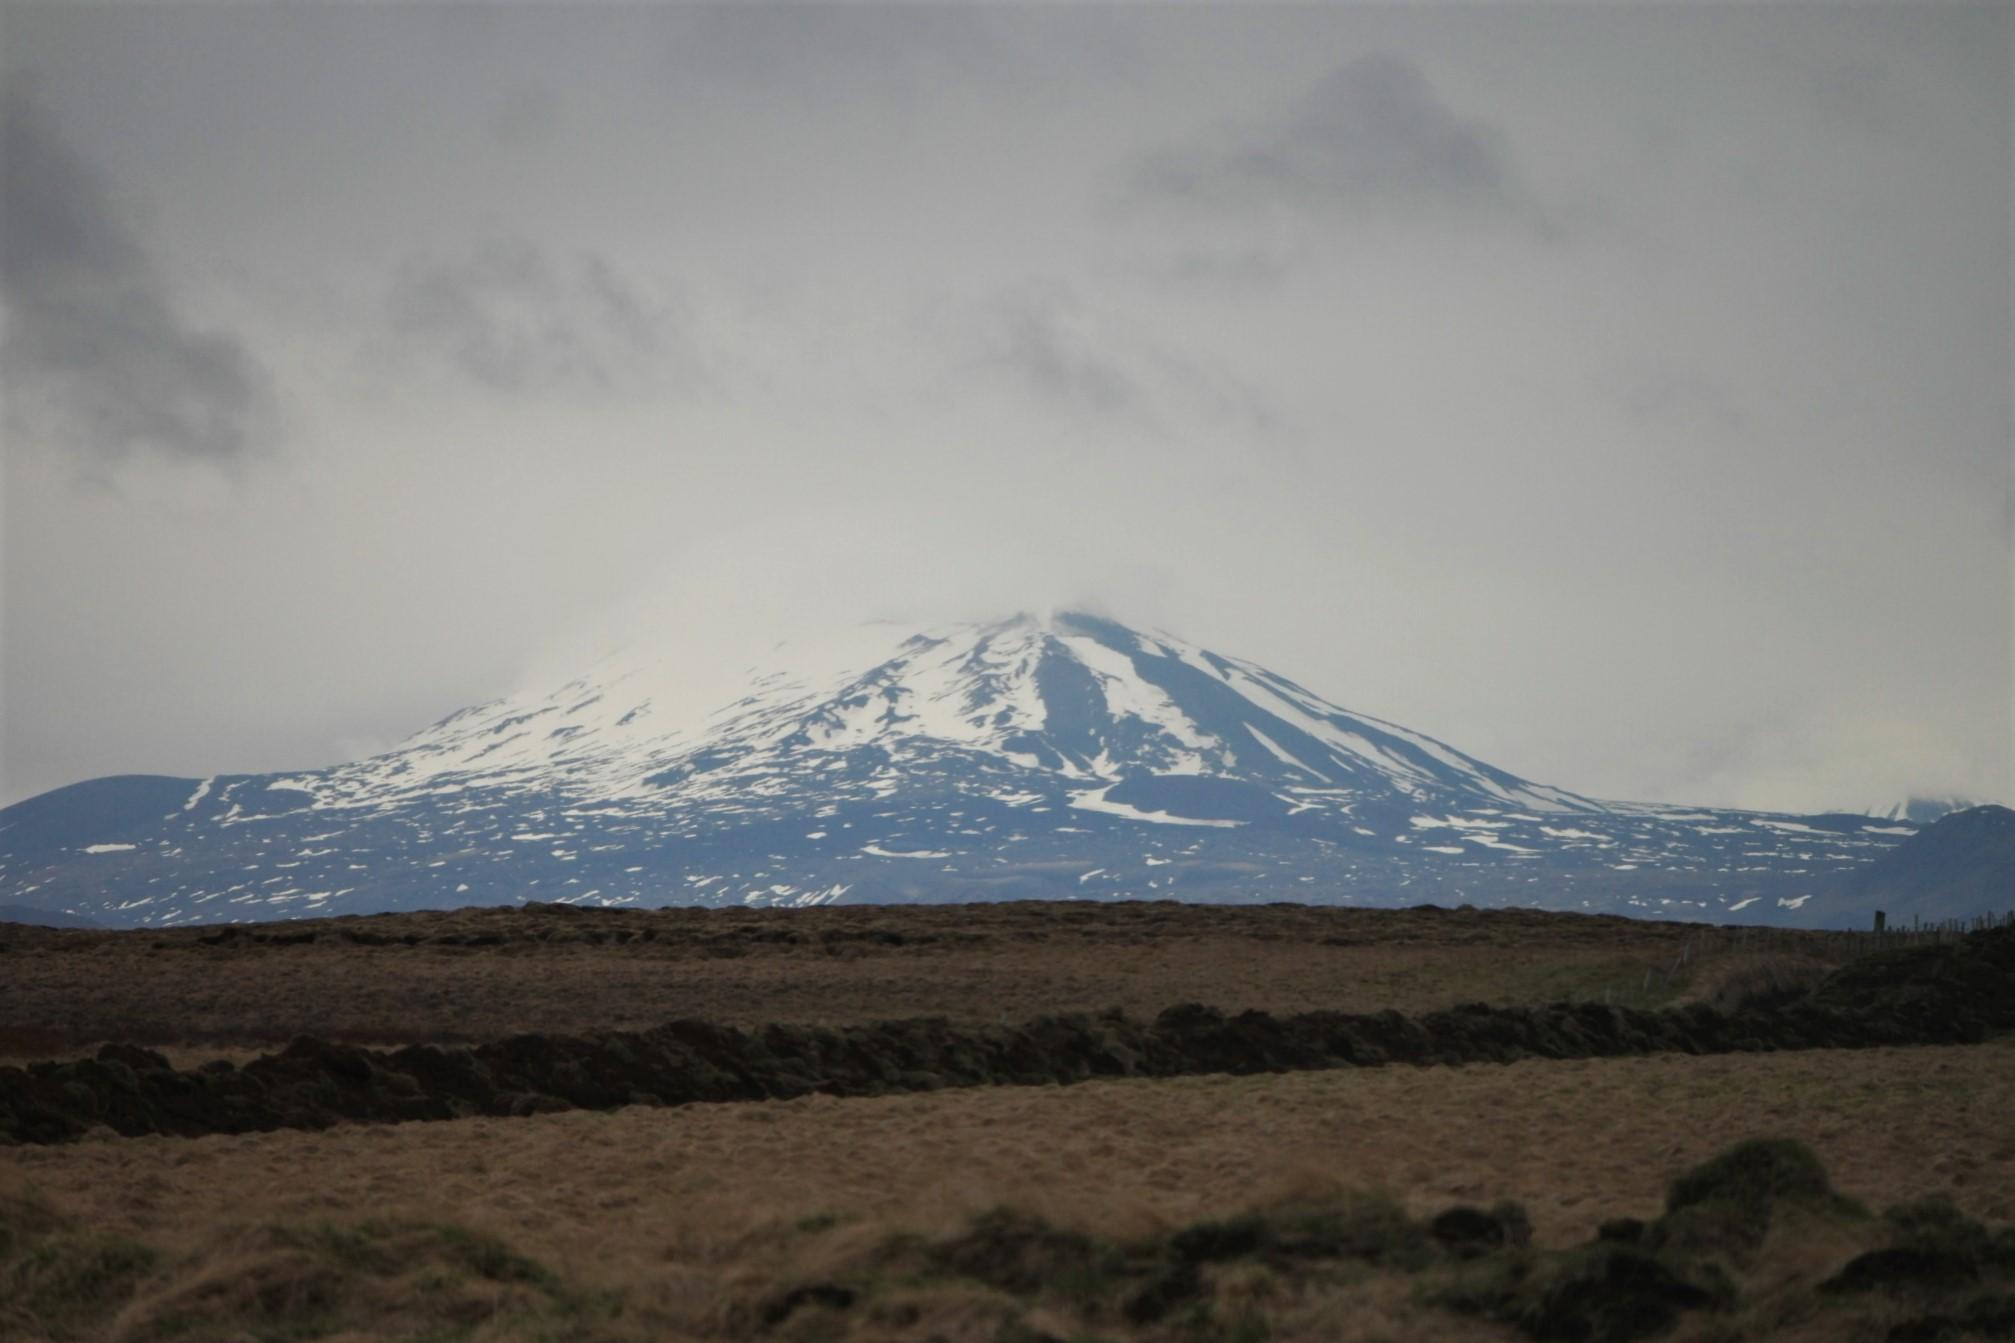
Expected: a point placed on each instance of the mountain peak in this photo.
(1077, 697)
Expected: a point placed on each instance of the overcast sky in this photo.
(1621, 394)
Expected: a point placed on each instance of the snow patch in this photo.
(1285, 756)
(1098, 802)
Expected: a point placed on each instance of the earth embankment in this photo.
(1958, 993)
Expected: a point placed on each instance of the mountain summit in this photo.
(1083, 700)
(1051, 756)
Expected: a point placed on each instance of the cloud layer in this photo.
(1620, 394)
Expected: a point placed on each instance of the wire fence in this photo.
(1833, 946)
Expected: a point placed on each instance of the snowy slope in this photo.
(1079, 697)
(1053, 756)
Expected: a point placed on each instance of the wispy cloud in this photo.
(1049, 346)
(98, 360)
(514, 316)
(1043, 343)
(1372, 137)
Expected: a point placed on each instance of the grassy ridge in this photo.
(465, 976)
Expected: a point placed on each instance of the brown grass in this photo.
(1729, 983)
(686, 1223)
(68, 990)
(690, 1210)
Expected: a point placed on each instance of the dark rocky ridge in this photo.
(1962, 992)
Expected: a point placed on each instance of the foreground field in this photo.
(686, 1222)
(1559, 1197)
(474, 975)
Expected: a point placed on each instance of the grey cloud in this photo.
(1373, 136)
(98, 360)
(512, 316)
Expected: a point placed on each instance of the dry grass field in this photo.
(989, 1215)
(693, 1217)
(472, 975)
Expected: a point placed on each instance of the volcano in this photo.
(1064, 756)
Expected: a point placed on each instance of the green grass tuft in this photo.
(1019, 1253)
(69, 1282)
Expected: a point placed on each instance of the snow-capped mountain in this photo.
(1067, 756)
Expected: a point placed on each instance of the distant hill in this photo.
(1956, 867)
(44, 918)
